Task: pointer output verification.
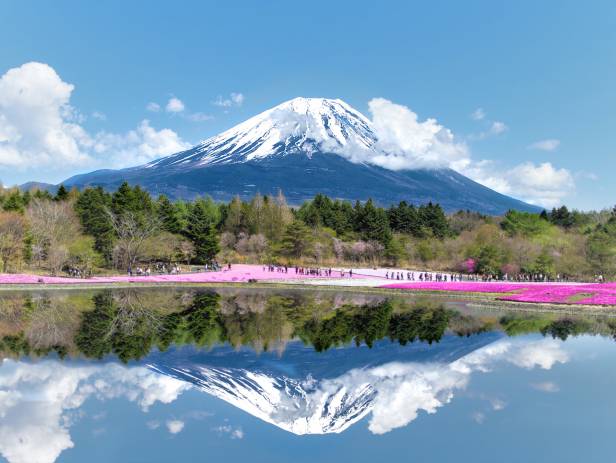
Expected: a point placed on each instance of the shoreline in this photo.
(480, 300)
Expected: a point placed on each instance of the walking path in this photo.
(553, 293)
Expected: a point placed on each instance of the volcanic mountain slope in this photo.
(303, 147)
(306, 392)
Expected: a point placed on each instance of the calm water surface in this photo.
(270, 376)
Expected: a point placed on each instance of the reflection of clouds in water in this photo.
(37, 401)
(404, 389)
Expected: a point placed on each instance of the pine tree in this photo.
(297, 240)
(373, 223)
(61, 194)
(202, 232)
(168, 215)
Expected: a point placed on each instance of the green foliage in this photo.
(202, 220)
(371, 222)
(524, 223)
(61, 194)
(489, 260)
(15, 202)
(92, 207)
(296, 241)
(169, 215)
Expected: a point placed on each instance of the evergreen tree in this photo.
(92, 208)
(202, 232)
(14, 202)
(61, 194)
(372, 223)
(433, 217)
(297, 240)
(168, 215)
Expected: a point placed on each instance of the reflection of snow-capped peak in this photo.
(300, 407)
(394, 392)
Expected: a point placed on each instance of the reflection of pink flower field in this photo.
(555, 293)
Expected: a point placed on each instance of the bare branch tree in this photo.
(132, 233)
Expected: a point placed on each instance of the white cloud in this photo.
(549, 144)
(547, 386)
(478, 114)
(234, 99)
(174, 105)
(137, 146)
(405, 389)
(153, 424)
(497, 127)
(99, 115)
(39, 401)
(153, 107)
(404, 142)
(478, 417)
(540, 184)
(199, 117)
(36, 121)
(40, 132)
(231, 431)
(174, 426)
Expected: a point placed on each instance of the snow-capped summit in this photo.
(300, 125)
(301, 147)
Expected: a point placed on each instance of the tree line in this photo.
(81, 232)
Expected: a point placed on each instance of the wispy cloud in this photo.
(153, 107)
(546, 386)
(231, 431)
(549, 144)
(234, 99)
(478, 114)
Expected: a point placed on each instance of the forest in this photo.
(98, 232)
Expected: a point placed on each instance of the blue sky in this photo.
(526, 87)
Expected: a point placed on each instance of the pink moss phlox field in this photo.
(548, 293)
(238, 273)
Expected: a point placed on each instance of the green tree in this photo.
(168, 215)
(296, 241)
(202, 232)
(61, 194)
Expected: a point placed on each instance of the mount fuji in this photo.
(303, 147)
(306, 392)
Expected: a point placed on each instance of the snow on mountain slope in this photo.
(321, 393)
(297, 406)
(300, 125)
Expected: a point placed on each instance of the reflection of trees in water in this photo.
(128, 323)
(12, 313)
(52, 323)
(558, 327)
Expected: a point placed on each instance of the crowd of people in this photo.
(394, 274)
(308, 271)
(74, 272)
(159, 268)
(422, 276)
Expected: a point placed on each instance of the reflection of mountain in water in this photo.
(305, 392)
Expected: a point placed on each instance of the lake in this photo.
(270, 375)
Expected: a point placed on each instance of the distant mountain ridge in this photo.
(302, 147)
